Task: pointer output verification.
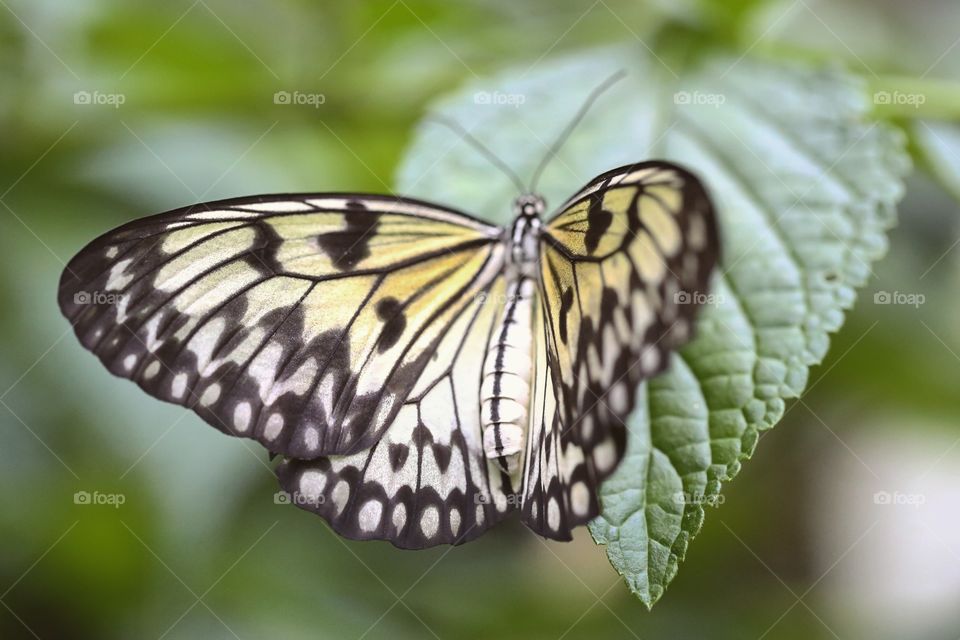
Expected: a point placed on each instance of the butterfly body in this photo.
(420, 373)
(507, 376)
(508, 370)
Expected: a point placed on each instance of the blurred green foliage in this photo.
(199, 122)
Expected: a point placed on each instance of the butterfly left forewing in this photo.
(624, 266)
(301, 321)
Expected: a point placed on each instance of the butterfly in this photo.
(420, 373)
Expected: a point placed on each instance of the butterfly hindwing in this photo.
(624, 266)
(550, 506)
(427, 480)
(301, 321)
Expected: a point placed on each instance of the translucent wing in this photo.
(427, 481)
(300, 321)
(624, 266)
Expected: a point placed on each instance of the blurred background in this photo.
(180, 108)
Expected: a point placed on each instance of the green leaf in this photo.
(805, 188)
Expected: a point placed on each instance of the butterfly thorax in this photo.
(525, 234)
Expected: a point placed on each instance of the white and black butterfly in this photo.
(422, 373)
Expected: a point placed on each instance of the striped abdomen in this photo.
(507, 372)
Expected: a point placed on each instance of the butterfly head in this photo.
(529, 206)
(526, 230)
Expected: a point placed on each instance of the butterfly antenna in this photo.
(562, 138)
(479, 146)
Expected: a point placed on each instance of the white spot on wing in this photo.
(553, 514)
(455, 520)
(273, 427)
(586, 427)
(152, 370)
(210, 395)
(312, 484)
(152, 326)
(619, 399)
(650, 359)
(118, 277)
(340, 495)
(241, 416)
(311, 438)
(179, 386)
(430, 521)
(580, 499)
(605, 456)
(370, 513)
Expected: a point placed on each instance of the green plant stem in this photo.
(913, 98)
